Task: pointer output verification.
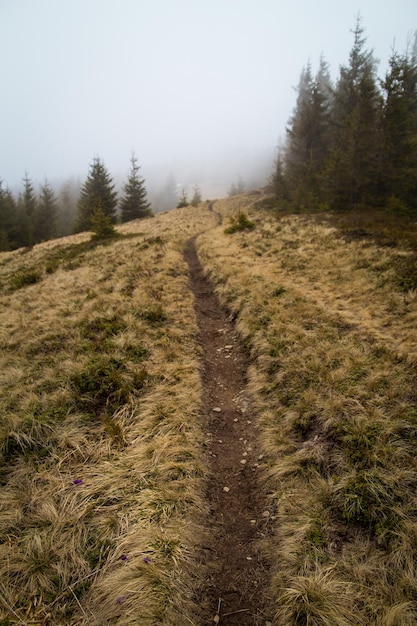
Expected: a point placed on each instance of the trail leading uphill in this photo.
(238, 578)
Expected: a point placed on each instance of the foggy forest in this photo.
(351, 143)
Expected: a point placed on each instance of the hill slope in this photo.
(105, 460)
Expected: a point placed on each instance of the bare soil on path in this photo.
(238, 575)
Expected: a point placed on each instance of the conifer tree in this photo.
(67, 206)
(8, 220)
(307, 136)
(46, 214)
(240, 185)
(237, 188)
(101, 224)
(400, 131)
(27, 213)
(97, 190)
(134, 203)
(183, 200)
(278, 182)
(168, 198)
(298, 144)
(354, 166)
(196, 199)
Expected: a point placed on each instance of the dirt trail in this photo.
(238, 579)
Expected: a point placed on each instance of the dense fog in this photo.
(201, 90)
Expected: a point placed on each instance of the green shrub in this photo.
(154, 314)
(102, 328)
(24, 278)
(242, 222)
(406, 270)
(101, 225)
(101, 384)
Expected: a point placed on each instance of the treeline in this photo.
(352, 144)
(31, 218)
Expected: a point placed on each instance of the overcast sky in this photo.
(186, 83)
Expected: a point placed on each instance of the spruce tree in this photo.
(97, 190)
(237, 188)
(8, 220)
(196, 199)
(308, 137)
(354, 166)
(67, 206)
(400, 132)
(183, 200)
(278, 182)
(134, 203)
(27, 213)
(46, 214)
(298, 141)
(168, 198)
(101, 225)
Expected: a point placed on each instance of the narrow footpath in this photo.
(235, 593)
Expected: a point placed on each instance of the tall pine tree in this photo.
(307, 137)
(27, 206)
(400, 131)
(354, 167)
(67, 206)
(134, 203)
(98, 190)
(9, 235)
(46, 214)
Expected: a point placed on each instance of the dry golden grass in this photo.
(333, 347)
(101, 466)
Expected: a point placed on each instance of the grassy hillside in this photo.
(102, 469)
(332, 335)
(100, 441)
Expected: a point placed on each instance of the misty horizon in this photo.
(201, 91)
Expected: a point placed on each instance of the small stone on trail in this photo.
(253, 522)
(229, 347)
(226, 489)
(249, 558)
(266, 514)
(236, 419)
(243, 461)
(216, 409)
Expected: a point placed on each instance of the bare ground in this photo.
(238, 575)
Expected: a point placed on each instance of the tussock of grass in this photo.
(100, 442)
(332, 338)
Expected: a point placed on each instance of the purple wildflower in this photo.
(147, 560)
(123, 558)
(78, 481)
(120, 599)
